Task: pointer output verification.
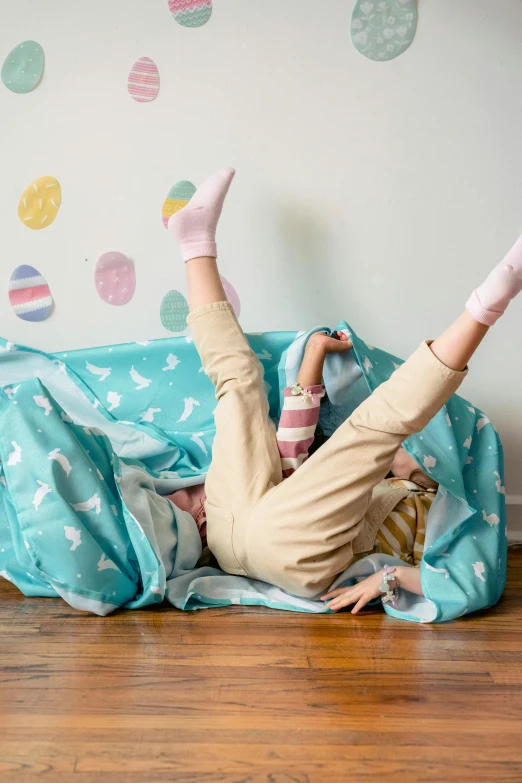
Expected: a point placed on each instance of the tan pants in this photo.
(299, 533)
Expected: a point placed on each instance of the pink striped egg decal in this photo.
(115, 278)
(29, 294)
(232, 296)
(191, 13)
(144, 80)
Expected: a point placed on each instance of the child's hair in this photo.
(419, 477)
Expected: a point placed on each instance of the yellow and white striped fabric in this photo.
(403, 531)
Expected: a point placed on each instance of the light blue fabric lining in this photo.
(90, 439)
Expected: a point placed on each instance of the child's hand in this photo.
(317, 347)
(359, 594)
(334, 343)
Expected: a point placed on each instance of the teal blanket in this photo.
(90, 440)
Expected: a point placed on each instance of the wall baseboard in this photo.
(514, 518)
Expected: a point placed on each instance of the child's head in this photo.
(405, 467)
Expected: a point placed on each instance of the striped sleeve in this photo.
(297, 426)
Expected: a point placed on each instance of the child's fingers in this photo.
(338, 591)
(341, 345)
(345, 599)
(340, 603)
(333, 593)
(359, 605)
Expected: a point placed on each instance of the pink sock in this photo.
(195, 225)
(489, 301)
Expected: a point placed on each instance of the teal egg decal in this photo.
(23, 67)
(383, 29)
(173, 311)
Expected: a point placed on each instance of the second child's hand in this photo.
(317, 348)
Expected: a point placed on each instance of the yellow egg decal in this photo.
(40, 203)
(178, 197)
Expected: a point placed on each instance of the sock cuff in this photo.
(197, 249)
(479, 313)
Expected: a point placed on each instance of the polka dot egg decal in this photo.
(178, 197)
(191, 13)
(23, 67)
(144, 80)
(29, 294)
(40, 202)
(115, 278)
(173, 311)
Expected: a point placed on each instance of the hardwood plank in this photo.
(250, 695)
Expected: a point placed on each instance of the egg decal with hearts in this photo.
(40, 202)
(115, 278)
(178, 197)
(23, 67)
(173, 311)
(383, 29)
(144, 80)
(191, 13)
(29, 294)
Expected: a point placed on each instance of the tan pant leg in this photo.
(245, 458)
(301, 534)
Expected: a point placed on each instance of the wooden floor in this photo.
(258, 696)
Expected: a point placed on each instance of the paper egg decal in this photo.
(115, 278)
(40, 202)
(144, 80)
(384, 29)
(23, 67)
(178, 197)
(29, 294)
(191, 13)
(232, 296)
(173, 311)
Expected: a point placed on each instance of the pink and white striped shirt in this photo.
(295, 435)
(297, 425)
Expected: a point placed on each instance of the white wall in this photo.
(376, 192)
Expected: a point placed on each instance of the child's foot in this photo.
(490, 300)
(195, 226)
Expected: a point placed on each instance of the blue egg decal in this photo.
(29, 294)
(23, 67)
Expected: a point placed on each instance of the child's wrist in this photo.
(316, 345)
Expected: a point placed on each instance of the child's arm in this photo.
(300, 412)
(318, 346)
(365, 591)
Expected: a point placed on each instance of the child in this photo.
(270, 513)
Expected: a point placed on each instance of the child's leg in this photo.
(245, 457)
(458, 343)
(195, 229)
(203, 282)
(307, 529)
(313, 522)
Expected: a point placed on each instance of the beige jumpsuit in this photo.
(301, 533)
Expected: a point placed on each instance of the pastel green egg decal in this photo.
(383, 29)
(173, 311)
(23, 67)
